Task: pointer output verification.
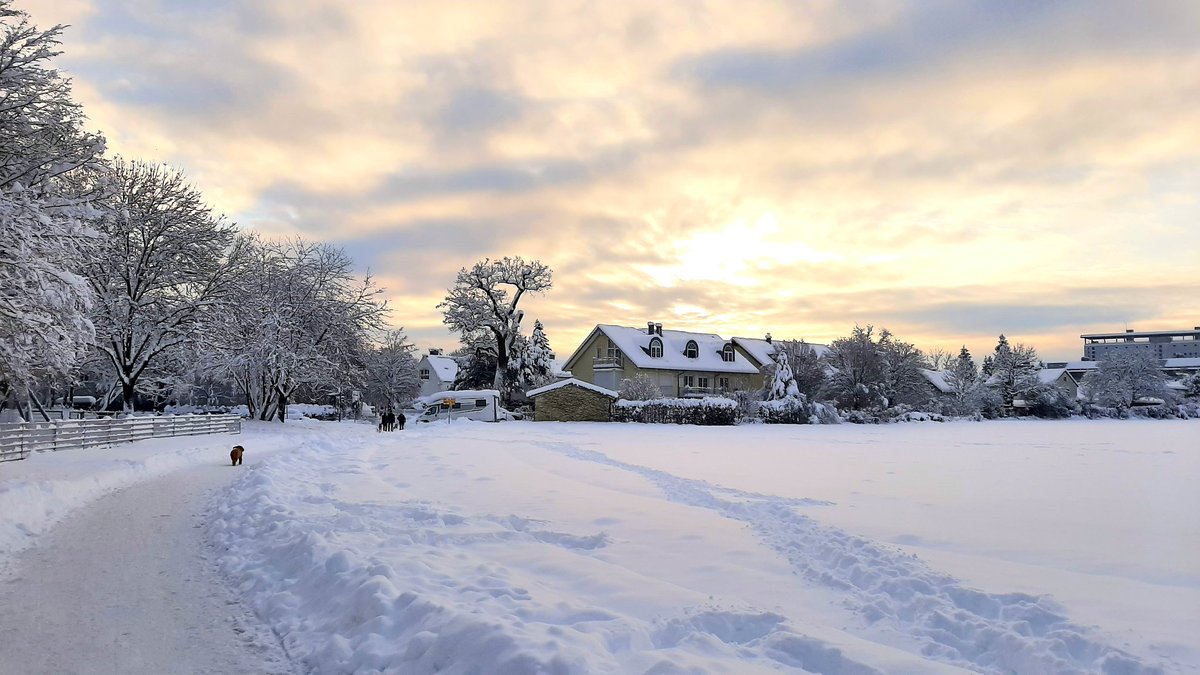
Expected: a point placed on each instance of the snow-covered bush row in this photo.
(707, 411)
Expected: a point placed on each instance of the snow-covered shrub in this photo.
(640, 388)
(1191, 386)
(748, 403)
(797, 410)
(1049, 401)
(708, 411)
(919, 416)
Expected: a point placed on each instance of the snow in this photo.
(574, 383)
(634, 343)
(938, 379)
(1004, 546)
(463, 394)
(1009, 546)
(1050, 375)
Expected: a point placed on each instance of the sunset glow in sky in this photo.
(951, 170)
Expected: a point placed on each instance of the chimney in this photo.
(658, 328)
(649, 328)
(768, 338)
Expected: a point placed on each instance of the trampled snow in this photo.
(997, 547)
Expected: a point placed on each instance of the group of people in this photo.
(389, 421)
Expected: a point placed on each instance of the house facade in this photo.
(683, 364)
(436, 372)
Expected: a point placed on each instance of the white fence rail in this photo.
(19, 439)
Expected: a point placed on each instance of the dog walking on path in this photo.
(235, 455)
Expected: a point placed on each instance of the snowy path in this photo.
(125, 586)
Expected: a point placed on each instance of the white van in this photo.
(482, 405)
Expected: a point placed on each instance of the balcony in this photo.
(613, 359)
(701, 392)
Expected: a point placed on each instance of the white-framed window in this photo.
(692, 350)
(703, 382)
(424, 373)
(723, 383)
(656, 349)
(689, 380)
(727, 353)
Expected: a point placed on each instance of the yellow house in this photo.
(681, 363)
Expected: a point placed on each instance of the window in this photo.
(424, 373)
(692, 350)
(689, 381)
(723, 383)
(481, 403)
(727, 354)
(656, 348)
(704, 383)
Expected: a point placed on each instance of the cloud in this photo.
(951, 169)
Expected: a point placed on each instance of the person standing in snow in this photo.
(401, 419)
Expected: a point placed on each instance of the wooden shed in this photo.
(572, 401)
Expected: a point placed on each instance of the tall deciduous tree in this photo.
(901, 380)
(44, 237)
(300, 318)
(1123, 378)
(166, 260)
(484, 301)
(857, 369)
(392, 371)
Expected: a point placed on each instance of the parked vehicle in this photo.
(482, 405)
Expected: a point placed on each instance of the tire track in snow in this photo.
(889, 589)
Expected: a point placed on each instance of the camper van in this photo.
(482, 405)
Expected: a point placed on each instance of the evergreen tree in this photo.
(783, 385)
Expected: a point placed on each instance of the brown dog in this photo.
(236, 454)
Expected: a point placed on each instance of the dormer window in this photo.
(727, 353)
(656, 349)
(692, 350)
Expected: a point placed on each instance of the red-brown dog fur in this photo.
(236, 454)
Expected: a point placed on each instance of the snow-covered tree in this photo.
(166, 261)
(1191, 386)
(484, 300)
(392, 371)
(639, 388)
(44, 237)
(1123, 378)
(901, 381)
(1014, 369)
(807, 368)
(963, 379)
(857, 370)
(300, 318)
(783, 381)
(538, 363)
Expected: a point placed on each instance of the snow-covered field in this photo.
(1011, 546)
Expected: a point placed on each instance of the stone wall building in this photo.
(572, 401)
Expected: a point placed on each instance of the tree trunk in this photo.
(127, 394)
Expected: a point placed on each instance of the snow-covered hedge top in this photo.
(572, 382)
(707, 401)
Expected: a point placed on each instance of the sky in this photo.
(950, 170)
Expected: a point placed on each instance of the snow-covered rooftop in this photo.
(439, 396)
(634, 343)
(571, 383)
(764, 352)
(444, 367)
(1050, 375)
(938, 379)
(1190, 362)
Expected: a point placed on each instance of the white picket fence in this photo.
(17, 440)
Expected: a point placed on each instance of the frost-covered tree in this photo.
(392, 371)
(1014, 369)
(166, 261)
(484, 301)
(300, 318)
(1191, 386)
(639, 388)
(1123, 378)
(44, 237)
(807, 368)
(538, 363)
(783, 381)
(938, 358)
(963, 379)
(857, 370)
(901, 380)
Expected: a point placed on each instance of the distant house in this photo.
(681, 363)
(939, 387)
(436, 372)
